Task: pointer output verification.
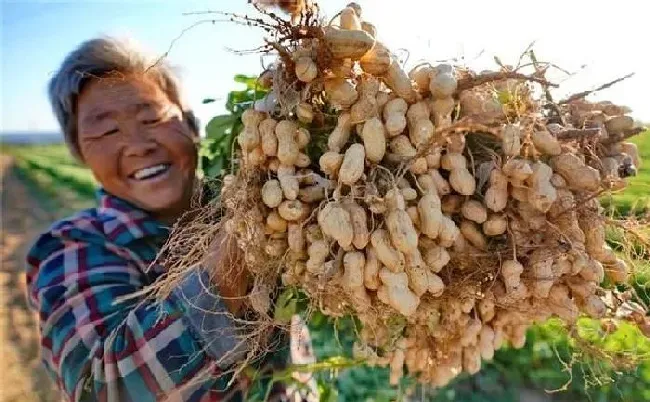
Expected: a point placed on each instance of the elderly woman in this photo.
(122, 116)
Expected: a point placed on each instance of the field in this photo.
(637, 195)
(50, 171)
(550, 361)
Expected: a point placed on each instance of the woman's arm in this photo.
(227, 269)
(102, 349)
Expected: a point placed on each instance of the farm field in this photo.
(43, 183)
(637, 195)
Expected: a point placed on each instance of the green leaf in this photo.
(286, 306)
(285, 313)
(218, 126)
(327, 392)
(207, 148)
(208, 100)
(214, 170)
(235, 98)
(248, 80)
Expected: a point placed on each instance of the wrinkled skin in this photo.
(126, 125)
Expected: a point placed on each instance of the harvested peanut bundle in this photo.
(425, 196)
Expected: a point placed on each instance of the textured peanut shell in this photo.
(348, 43)
(353, 163)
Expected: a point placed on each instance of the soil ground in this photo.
(23, 377)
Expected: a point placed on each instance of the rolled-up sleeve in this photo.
(101, 345)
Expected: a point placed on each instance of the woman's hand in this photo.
(225, 262)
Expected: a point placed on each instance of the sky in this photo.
(596, 42)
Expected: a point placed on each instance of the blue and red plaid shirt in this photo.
(99, 348)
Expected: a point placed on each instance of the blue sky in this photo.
(36, 36)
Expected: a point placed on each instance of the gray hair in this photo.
(99, 58)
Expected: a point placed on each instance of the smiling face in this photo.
(134, 139)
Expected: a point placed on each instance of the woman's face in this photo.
(134, 139)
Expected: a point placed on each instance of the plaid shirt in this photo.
(100, 349)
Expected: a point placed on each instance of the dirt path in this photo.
(21, 376)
